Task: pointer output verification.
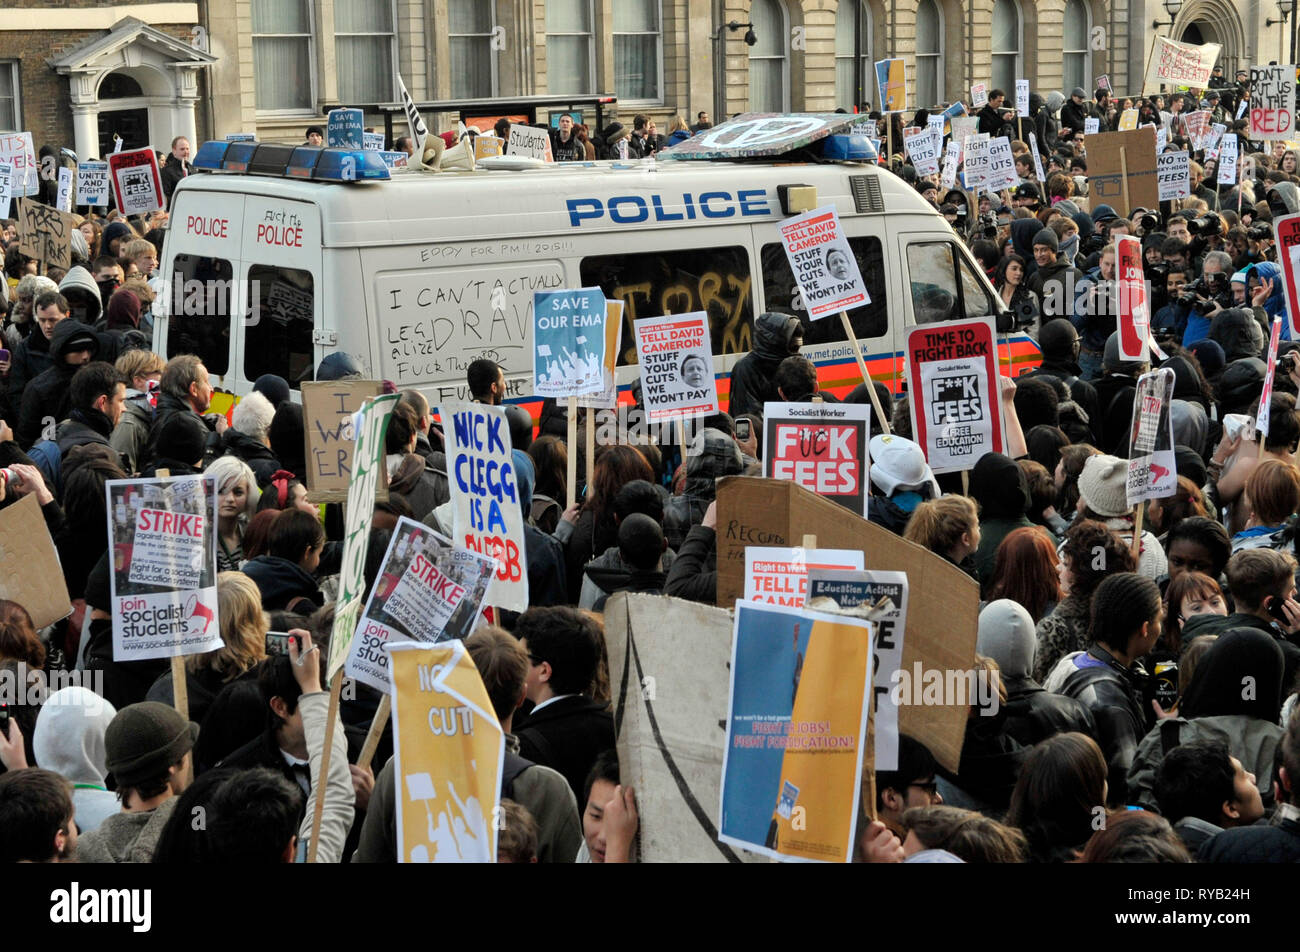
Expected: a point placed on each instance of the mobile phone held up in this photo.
(744, 430)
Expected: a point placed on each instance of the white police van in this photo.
(285, 254)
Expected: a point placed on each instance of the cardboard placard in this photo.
(955, 365)
(669, 664)
(486, 510)
(676, 364)
(327, 409)
(448, 751)
(822, 447)
(92, 183)
(164, 570)
(776, 575)
(137, 186)
(30, 573)
(568, 342)
(487, 146)
(1180, 64)
(822, 262)
(1152, 473)
(45, 233)
(1128, 120)
(1106, 170)
(943, 601)
(867, 127)
(530, 141)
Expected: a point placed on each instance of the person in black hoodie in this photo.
(97, 395)
(284, 576)
(184, 390)
(48, 397)
(1116, 391)
(565, 729)
(641, 546)
(1059, 342)
(712, 455)
(776, 337)
(179, 448)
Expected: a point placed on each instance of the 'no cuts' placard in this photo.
(822, 263)
(676, 366)
(820, 446)
(956, 415)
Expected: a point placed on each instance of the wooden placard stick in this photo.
(862, 369)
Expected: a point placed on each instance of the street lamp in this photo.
(1172, 7)
(1284, 7)
(751, 38)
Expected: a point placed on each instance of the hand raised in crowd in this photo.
(571, 514)
(1006, 388)
(620, 825)
(1261, 293)
(30, 480)
(749, 446)
(1227, 446)
(306, 663)
(363, 783)
(880, 845)
(6, 434)
(12, 752)
(710, 520)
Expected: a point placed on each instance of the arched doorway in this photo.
(1213, 21)
(123, 111)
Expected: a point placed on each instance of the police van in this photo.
(284, 254)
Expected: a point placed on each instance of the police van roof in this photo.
(562, 198)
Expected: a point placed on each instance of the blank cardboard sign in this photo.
(669, 672)
(30, 573)
(943, 601)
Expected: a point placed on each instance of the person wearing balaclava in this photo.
(776, 337)
(1116, 391)
(998, 484)
(1215, 707)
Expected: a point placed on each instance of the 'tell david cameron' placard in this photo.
(953, 371)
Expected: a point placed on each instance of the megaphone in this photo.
(458, 157)
(433, 149)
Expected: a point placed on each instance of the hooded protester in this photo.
(711, 455)
(123, 311)
(284, 574)
(1236, 330)
(776, 337)
(288, 438)
(1059, 342)
(1275, 304)
(1039, 120)
(1116, 391)
(1006, 634)
(1023, 231)
(72, 345)
(69, 739)
(900, 481)
(179, 447)
(274, 387)
(609, 571)
(998, 484)
(82, 294)
(1191, 425)
(1215, 708)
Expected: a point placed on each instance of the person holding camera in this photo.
(1022, 302)
(1094, 313)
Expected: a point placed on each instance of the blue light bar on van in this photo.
(304, 162)
(849, 148)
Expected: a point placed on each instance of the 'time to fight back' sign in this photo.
(956, 416)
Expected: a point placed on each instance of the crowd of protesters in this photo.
(1119, 655)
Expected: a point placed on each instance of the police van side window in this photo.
(715, 280)
(932, 272)
(198, 316)
(976, 298)
(780, 293)
(278, 332)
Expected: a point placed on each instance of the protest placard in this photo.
(395, 160)
(1272, 102)
(1002, 166)
(1022, 98)
(1128, 120)
(531, 142)
(676, 359)
(1286, 233)
(92, 183)
(922, 152)
(607, 397)
(344, 129)
(956, 410)
(796, 733)
(951, 157)
(943, 601)
(63, 198)
(867, 127)
(979, 95)
(164, 568)
(30, 573)
(327, 410)
(137, 187)
(1198, 125)
(849, 590)
(934, 124)
(1227, 159)
(822, 262)
(1173, 175)
(488, 146)
(414, 122)
(1103, 82)
(1180, 64)
(1122, 170)
(1262, 417)
(1038, 159)
(366, 477)
(1152, 473)
(486, 513)
(960, 128)
(779, 576)
(427, 590)
(6, 187)
(1214, 136)
(1091, 126)
(45, 233)
(822, 447)
(372, 141)
(1134, 314)
(975, 161)
(285, 303)
(892, 84)
(568, 342)
(671, 752)
(448, 752)
(17, 152)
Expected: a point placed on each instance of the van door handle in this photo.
(328, 338)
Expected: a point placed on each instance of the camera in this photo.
(987, 225)
(1209, 223)
(1148, 223)
(1205, 292)
(1259, 232)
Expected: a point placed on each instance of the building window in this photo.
(929, 54)
(769, 76)
(636, 50)
(11, 111)
(1078, 71)
(850, 16)
(365, 45)
(570, 59)
(473, 63)
(282, 55)
(1006, 46)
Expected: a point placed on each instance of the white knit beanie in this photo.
(1102, 484)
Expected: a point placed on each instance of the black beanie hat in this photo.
(182, 439)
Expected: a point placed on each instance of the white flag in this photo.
(419, 131)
